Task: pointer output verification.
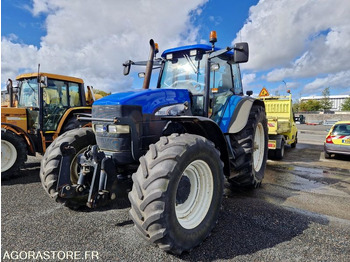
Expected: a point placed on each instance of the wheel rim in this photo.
(8, 155)
(194, 194)
(259, 147)
(74, 167)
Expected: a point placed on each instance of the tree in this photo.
(100, 92)
(346, 105)
(310, 105)
(296, 107)
(325, 102)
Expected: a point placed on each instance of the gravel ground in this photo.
(301, 213)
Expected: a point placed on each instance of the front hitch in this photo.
(94, 166)
(67, 152)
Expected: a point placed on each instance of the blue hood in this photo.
(150, 100)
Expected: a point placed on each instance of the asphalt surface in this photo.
(301, 213)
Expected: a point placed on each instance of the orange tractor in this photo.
(38, 110)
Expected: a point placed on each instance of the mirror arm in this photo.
(219, 52)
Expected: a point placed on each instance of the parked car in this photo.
(338, 139)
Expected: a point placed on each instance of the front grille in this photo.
(126, 115)
(112, 111)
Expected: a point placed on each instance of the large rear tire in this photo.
(250, 151)
(13, 153)
(80, 139)
(177, 192)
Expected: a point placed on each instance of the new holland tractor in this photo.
(171, 147)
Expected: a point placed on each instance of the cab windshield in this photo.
(28, 96)
(184, 72)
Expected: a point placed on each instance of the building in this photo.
(337, 100)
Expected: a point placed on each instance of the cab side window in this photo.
(237, 86)
(220, 76)
(74, 99)
(56, 93)
(221, 86)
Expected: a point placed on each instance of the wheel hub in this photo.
(258, 147)
(183, 190)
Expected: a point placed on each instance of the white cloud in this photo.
(216, 20)
(339, 80)
(16, 58)
(247, 79)
(91, 41)
(302, 38)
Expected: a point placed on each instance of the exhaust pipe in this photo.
(10, 91)
(149, 66)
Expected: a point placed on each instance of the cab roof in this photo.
(192, 47)
(52, 76)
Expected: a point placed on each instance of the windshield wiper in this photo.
(191, 63)
(27, 81)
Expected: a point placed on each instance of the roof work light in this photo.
(213, 38)
(156, 48)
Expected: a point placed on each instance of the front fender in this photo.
(20, 132)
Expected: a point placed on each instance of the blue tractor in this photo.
(171, 148)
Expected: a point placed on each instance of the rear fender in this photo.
(203, 127)
(240, 116)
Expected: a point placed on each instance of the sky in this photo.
(300, 45)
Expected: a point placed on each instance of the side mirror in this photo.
(249, 92)
(127, 66)
(43, 81)
(241, 52)
(141, 74)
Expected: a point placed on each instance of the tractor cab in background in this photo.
(40, 108)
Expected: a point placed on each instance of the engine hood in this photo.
(150, 100)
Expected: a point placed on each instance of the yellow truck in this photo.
(37, 111)
(281, 123)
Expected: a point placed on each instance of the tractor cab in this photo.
(210, 79)
(210, 75)
(59, 93)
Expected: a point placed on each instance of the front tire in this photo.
(80, 139)
(177, 192)
(13, 153)
(250, 150)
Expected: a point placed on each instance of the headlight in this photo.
(119, 129)
(173, 110)
(100, 128)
